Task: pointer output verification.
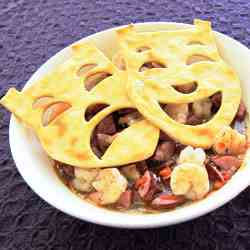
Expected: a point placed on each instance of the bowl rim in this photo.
(119, 219)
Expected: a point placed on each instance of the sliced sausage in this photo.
(147, 186)
(213, 173)
(241, 113)
(167, 201)
(107, 126)
(226, 162)
(164, 151)
(228, 165)
(125, 200)
(216, 101)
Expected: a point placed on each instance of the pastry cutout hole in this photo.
(53, 111)
(142, 49)
(198, 58)
(216, 101)
(42, 102)
(195, 113)
(151, 65)
(106, 131)
(186, 88)
(178, 112)
(85, 68)
(93, 109)
(92, 80)
(195, 43)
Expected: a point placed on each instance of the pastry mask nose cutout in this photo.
(66, 136)
(173, 48)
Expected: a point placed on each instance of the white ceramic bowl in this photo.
(37, 170)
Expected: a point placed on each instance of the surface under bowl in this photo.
(36, 168)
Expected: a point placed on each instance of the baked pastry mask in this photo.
(179, 57)
(66, 137)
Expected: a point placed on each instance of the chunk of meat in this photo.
(142, 166)
(110, 184)
(193, 120)
(129, 118)
(178, 112)
(216, 101)
(147, 186)
(106, 126)
(202, 108)
(125, 200)
(130, 172)
(164, 151)
(167, 201)
(228, 165)
(104, 140)
(94, 146)
(213, 173)
(66, 171)
(241, 114)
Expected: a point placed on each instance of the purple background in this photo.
(33, 31)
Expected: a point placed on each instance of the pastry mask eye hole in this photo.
(186, 88)
(53, 111)
(94, 109)
(42, 102)
(142, 49)
(195, 43)
(151, 65)
(85, 68)
(92, 80)
(197, 58)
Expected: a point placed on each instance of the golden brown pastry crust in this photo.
(173, 48)
(67, 138)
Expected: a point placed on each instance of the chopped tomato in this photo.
(165, 173)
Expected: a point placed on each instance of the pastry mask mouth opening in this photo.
(194, 113)
(111, 127)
